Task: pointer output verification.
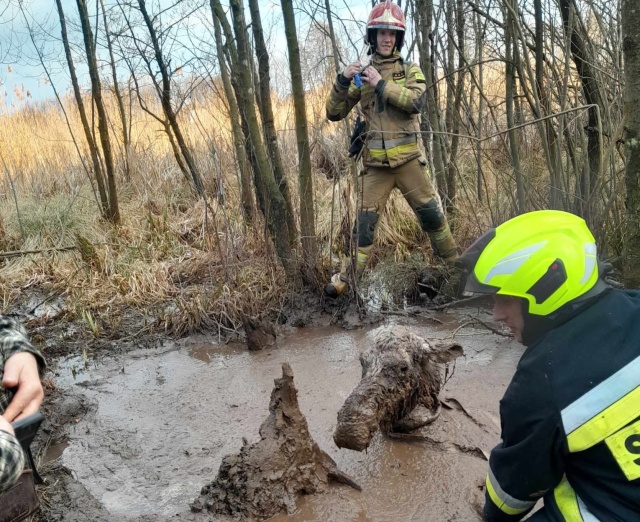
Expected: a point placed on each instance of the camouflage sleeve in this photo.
(13, 340)
(409, 97)
(11, 460)
(343, 97)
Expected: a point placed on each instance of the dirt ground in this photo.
(136, 427)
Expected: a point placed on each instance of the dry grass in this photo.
(171, 256)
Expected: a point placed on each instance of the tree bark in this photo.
(630, 11)
(246, 197)
(430, 116)
(480, 32)
(165, 101)
(103, 125)
(305, 179)
(126, 140)
(582, 59)
(510, 84)
(93, 148)
(266, 112)
(270, 198)
(456, 102)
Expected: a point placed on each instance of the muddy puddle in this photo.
(161, 421)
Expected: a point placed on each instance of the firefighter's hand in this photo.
(351, 70)
(371, 76)
(21, 373)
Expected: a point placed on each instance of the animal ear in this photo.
(445, 354)
(423, 352)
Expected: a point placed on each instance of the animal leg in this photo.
(420, 416)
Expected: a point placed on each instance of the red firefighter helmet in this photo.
(385, 15)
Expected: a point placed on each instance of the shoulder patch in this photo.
(418, 74)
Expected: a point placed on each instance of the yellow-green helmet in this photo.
(547, 257)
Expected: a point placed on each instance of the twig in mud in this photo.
(491, 327)
(441, 445)
(457, 405)
(136, 334)
(401, 313)
(458, 302)
(55, 294)
(447, 375)
(488, 326)
(333, 317)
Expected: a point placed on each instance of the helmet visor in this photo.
(469, 259)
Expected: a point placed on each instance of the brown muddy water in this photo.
(162, 420)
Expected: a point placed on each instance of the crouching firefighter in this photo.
(391, 95)
(571, 414)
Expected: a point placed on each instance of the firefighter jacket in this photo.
(571, 420)
(391, 110)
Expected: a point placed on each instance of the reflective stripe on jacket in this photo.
(571, 421)
(391, 110)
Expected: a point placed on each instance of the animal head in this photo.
(398, 351)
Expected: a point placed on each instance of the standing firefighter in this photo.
(391, 94)
(571, 414)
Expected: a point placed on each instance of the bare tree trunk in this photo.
(631, 48)
(583, 61)
(555, 191)
(93, 148)
(126, 140)
(165, 100)
(305, 179)
(269, 196)
(480, 32)
(510, 77)
(457, 91)
(424, 11)
(103, 125)
(246, 197)
(266, 112)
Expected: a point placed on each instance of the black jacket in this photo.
(571, 420)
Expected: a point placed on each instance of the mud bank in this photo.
(154, 425)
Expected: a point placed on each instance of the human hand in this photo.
(5, 425)
(21, 372)
(351, 70)
(371, 76)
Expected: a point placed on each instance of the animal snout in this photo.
(352, 436)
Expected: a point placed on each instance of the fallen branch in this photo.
(459, 302)
(18, 253)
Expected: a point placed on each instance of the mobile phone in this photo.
(26, 429)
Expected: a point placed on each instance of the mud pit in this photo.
(160, 421)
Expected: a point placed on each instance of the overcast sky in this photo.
(23, 79)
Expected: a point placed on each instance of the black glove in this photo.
(357, 138)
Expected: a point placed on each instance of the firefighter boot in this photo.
(340, 281)
(454, 276)
(337, 286)
(444, 245)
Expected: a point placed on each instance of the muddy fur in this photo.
(400, 373)
(265, 478)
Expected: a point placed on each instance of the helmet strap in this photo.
(535, 326)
